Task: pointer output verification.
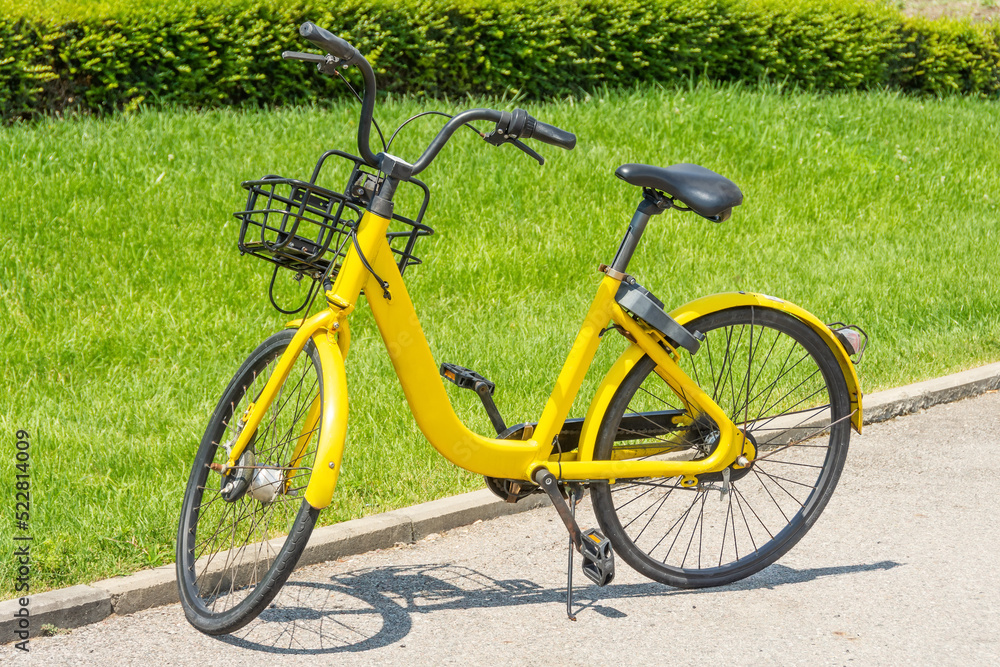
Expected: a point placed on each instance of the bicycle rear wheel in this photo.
(241, 534)
(782, 386)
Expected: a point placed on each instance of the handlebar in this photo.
(511, 126)
(449, 129)
(347, 54)
(551, 135)
(329, 42)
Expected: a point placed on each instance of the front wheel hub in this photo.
(266, 484)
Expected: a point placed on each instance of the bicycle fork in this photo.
(329, 415)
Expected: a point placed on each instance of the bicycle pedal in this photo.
(598, 557)
(464, 378)
(467, 379)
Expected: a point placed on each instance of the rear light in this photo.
(852, 337)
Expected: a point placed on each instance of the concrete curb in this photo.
(81, 605)
(922, 395)
(65, 608)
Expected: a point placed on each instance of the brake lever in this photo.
(308, 57)
(326, 64)
(527, 150)
(495, 138)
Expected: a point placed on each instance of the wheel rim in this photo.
(230, 546)
(776, 380)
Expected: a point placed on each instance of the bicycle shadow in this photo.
(373, 608)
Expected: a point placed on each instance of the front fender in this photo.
(691, 311)
(333, 424)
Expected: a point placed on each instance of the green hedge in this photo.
(96, 60)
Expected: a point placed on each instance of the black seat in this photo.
(704, 191)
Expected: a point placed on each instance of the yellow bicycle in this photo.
(710, 447)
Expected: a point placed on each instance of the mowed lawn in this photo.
(126, 306)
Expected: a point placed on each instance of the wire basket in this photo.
(307, 228)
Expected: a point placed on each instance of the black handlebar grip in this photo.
(327, 41)
(549, 134)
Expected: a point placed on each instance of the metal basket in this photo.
(306, 228)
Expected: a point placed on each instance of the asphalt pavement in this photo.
(902, 568)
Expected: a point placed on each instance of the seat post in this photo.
(653, 203)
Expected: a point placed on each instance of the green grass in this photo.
(126, 307)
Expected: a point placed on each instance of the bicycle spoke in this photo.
(699, 522)
(734, 393)
(771, 495)
(801, 442)
(754, 512)
(682, 520)
(739, 505)
(746, 405)
(792, 463)
(763, 365)
(658, 398)
(651, 517)
(634, 498)
(790, 481)
(770, 388)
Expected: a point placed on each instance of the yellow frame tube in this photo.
(424, 389)
(730, 440)
(418, 373)
(689, 312)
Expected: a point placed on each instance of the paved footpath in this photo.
(902, 568)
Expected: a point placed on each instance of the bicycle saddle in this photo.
(705, 192)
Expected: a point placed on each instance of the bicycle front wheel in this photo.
(242, 532)
(782, 386)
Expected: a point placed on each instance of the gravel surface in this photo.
(900, 569)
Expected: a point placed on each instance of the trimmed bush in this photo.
(940, 57)
(96, 61)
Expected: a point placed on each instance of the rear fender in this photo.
(710, 304)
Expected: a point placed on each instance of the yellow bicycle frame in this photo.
(418, 373)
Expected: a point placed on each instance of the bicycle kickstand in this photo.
(594, 548)
(575, 496)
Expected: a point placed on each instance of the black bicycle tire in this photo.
(284, 562)
(604, 506)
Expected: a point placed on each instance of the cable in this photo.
(270, 293)
(374, 122)
(383, 284)
(325, 275)
(428, 113)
